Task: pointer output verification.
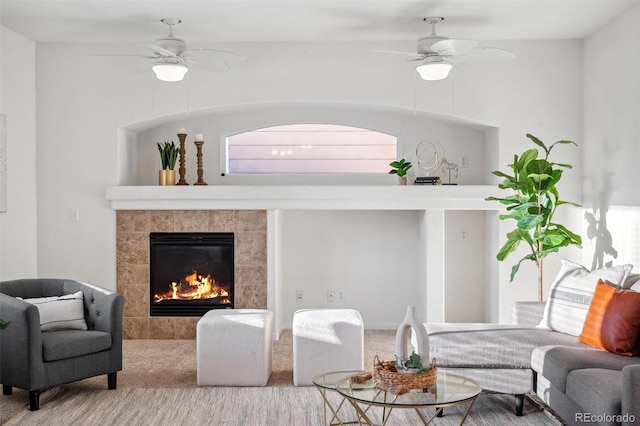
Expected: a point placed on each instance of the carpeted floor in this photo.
(157, 386)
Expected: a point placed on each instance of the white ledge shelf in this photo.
(303, 197)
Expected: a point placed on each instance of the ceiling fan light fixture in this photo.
(434, 69)
(169, 72)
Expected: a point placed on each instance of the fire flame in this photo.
(194, 286)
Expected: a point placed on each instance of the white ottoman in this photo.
(234, 347)
(326, 340)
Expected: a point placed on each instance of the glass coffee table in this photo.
(450, 389)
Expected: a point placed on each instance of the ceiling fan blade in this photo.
(222, 54)
(125, 56)
(481, 54)
(211, 59)
(416, 56)
(454, 47)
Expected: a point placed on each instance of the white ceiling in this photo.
(305, 20)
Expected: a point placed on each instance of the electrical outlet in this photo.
(331, 296)
(74, 215)
(464, 161)
(464, 234)
(340, 296)
(299, 296)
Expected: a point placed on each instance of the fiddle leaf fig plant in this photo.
(532, 204)
(400, 167)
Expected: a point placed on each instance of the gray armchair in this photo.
(32, 359)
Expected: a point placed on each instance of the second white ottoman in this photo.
(234, 347)
(326, 340)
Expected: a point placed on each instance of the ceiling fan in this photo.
(171, 58)
(438, 54)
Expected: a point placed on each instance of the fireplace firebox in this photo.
(190, 272)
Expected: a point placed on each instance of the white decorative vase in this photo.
(410, 322)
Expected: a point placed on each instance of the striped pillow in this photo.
(60, 312)
(571, 292)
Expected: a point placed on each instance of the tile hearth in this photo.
(132, 257)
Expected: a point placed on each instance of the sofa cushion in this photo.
(64, 312)
(570, 295)
(484, 345)
(556, 362)
(613, 320)
(604, 395)
(62, 344)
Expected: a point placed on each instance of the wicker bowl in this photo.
(387, 377)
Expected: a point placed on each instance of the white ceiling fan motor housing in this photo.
(424, 44)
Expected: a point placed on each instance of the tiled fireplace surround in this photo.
(132, 254)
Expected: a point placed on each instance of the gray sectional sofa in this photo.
(575, 380)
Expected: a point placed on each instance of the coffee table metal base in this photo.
(386, 413)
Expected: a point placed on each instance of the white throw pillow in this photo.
(60, 312)
(571, 292)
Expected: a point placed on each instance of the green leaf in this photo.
(562, 142)
(526, 157)
(516, 267)
(4, 323)
(513, 241)
(530, 221)
(524, 206)
(538, 177)
(538, 142)
(501, 174)
(566, 166)
(560, 202)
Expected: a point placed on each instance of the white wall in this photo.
(368, 255)
(83, 100)
(467, 292)
(612, 142)
(18, 227)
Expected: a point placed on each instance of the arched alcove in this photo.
(139, 161)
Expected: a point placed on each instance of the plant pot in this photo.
(402, 180)
(166, 177)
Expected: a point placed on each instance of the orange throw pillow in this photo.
(613, 320)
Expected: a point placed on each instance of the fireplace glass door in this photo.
(190, 273)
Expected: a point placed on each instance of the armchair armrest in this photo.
(528, 314)
(104, 309)
(20, 344)
(630, 392)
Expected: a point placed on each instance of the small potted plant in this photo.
(168, 156)
(400, 168)
(411, 365)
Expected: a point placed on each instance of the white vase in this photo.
(411, 322)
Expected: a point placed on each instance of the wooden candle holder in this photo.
(200, 169)
(182, 151)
